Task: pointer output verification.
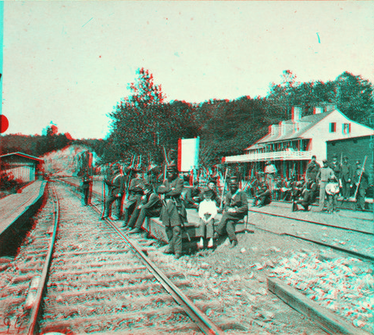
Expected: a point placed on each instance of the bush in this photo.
(7, 181)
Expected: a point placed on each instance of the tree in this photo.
(354, 97)
(143, 122)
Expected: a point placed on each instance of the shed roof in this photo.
(21, 154)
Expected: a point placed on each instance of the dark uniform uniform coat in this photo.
(240, 203)
(346, 178)
(173, 210)
(312, 170)
(364, 184)
(116, 186)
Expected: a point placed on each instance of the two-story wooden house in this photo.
(290, 144)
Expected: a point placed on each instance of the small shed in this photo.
(23, 166)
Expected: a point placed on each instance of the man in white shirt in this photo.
(270, 171)
(207, 213)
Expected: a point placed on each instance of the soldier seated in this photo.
(134, 199)
(263, 196)
(151, 208)
(307, 196)
(235, 208)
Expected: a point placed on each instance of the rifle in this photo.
(359, 180)
(223, 189)
(102, 215)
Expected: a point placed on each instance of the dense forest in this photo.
(144, 122)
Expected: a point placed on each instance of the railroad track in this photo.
(320, 233)
(95, 279)
(322, 240)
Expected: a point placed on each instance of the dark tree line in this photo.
(36, 145)
(144, 122)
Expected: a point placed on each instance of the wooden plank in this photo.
(328, 321)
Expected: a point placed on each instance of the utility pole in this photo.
(371, 146)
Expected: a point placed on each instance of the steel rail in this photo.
(310, 221)
(202, 321)
(39, 295)
(354, 253)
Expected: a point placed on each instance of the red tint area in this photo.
(4, 123)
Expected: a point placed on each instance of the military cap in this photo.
(234, 180)
(147, 186)
(115, 167)
(324, 161)
(172, 167)
(208, 192)
(335, 156)
(134, 169)
(212, 179)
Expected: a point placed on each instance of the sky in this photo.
(71, 62)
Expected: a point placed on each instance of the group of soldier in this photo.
(139, 195)
(328, 182)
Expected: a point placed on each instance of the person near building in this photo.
(173, 213)
(322, 178)
(361, 181)
(263, 196)
(207, 214)
(346, 178)
(116, 185)
(270, 172)
(135, 193)
(312, 169)
(307, 195)
(150, 208)
(235, 208)
(332, 191)
(296, 192)
(336, 167)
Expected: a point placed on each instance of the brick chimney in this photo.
(296, 113)
(318, 110)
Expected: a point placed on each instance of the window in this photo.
(332, 127)
(346, 128)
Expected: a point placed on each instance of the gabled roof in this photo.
(22, 155)
(307, 122)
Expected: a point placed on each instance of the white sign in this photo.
(188, 154)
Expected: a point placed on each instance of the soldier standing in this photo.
(323, 176)
(336, 167)
(136, 190)
(361, 186)
(270, 172)
(87, 180)
(116, 185)
(173, 213)
(346, 178)
(86, 186)
(312, 169)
